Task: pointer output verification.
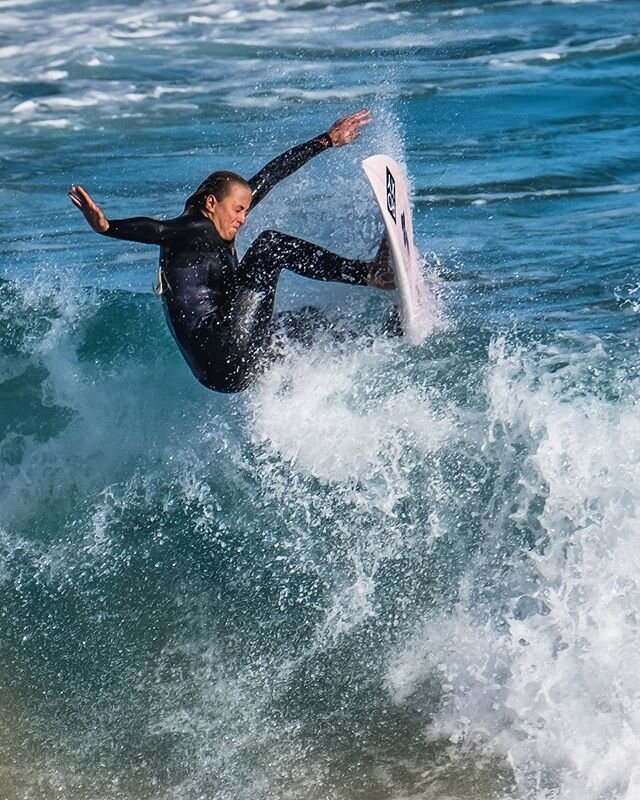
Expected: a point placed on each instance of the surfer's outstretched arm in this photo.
(343, 131)
(145, 230)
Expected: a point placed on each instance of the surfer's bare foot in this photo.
(381, 272)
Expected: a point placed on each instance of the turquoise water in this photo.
(385, 572)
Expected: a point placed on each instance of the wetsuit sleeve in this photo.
(145, 230)
(284, 165)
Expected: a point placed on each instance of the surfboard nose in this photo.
(390, 189)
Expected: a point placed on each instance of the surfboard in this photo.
(390, 189)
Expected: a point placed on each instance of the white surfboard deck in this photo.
(389, 186)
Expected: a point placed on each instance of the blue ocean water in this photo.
(385, 572)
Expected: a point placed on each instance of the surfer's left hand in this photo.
(346, 129)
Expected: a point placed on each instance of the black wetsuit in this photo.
(219, 310)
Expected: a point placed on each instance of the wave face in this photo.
(384, 572)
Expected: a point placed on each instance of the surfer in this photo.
(220, 309)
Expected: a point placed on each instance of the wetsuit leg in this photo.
(260, 270)
(238, 345)
(273, 251)
(233, 347)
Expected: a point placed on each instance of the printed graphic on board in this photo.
(391, 195)
(405, 235)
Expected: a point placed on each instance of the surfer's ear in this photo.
(210, 202)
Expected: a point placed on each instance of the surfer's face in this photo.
(230, 213)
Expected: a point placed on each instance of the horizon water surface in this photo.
(385, 572)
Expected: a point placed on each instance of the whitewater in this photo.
(385, 572)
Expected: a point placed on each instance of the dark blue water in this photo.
(385, 572)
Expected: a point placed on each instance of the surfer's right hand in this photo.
(346, 129)
(91, 211)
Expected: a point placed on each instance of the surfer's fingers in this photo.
(83, 195)
(362, 117)
(347, 129)
(79, 200)
(356, 128)
(353, 130)
(359, 118)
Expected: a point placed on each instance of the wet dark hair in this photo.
(217, 184)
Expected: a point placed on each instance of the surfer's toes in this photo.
(381, 273)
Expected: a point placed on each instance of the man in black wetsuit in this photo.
(220, 310)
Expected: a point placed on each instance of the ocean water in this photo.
(385, 572)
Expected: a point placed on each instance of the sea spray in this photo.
(536, 667)
(385, 572)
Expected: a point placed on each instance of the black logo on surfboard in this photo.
(391, 195)
(405, 235)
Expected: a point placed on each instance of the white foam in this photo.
(10, 51)
(52, 123)
(195, 19)
(54, 75)
(555, 692)
(25, 108)
(305, 411)
(17, 3)
(563, 50)
(350, 606)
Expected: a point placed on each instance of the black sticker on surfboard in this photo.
(405, 235)
(391, 195)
